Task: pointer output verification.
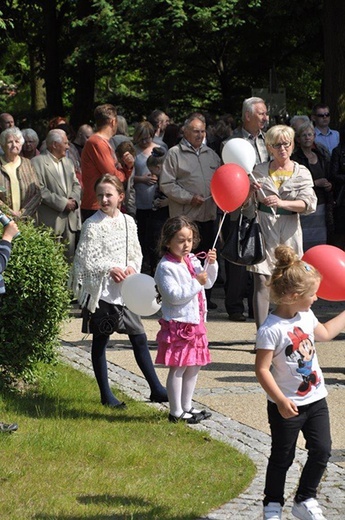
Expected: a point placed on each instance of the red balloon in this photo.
(230, 186)
(330, 262)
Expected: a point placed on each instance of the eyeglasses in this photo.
(326, 114)
(279, 145)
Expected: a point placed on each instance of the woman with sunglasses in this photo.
(283, 190)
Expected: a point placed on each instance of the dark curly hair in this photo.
(172, 226)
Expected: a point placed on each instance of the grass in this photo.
(72, 458)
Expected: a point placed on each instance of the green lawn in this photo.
(72, 458)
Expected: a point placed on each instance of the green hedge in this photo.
(35, 304)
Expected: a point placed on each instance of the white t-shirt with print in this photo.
(295, 366)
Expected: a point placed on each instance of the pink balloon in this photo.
(230, 186)
(330, 262)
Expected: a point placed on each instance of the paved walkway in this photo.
(229, 388)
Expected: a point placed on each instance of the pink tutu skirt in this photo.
(182, 344)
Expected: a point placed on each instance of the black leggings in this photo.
(142, 357)
(313, 421)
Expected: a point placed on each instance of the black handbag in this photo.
(107, 319)
(245, 244)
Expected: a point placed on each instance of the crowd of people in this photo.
(123, 205)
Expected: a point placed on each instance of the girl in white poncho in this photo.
(108, 251)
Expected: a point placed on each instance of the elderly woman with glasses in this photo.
(20, 193)
(283, 190)
(318, 227)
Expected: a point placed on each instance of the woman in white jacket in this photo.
(182, 342)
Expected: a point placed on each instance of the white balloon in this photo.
(241, 152)
(139, 294)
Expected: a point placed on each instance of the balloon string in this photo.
(202, 255)
(217, 236)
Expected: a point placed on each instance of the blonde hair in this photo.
(290, 275)
(277, 132)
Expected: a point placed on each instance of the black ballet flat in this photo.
(8, 428)
(195, 419)
(118, 406)
(159, 398)
(204, 413)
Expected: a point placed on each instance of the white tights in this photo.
(181, 383)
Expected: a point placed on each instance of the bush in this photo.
(35, 304)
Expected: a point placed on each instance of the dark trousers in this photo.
(238, 281)
(238, 285)
(156, 223)
(313, 421)
(207, 236)
(143, 217)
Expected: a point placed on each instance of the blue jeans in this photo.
(313, 421)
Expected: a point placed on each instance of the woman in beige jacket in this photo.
(283, 190)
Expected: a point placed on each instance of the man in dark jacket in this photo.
(238, 283)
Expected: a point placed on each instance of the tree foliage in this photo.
(35, 303)
(173, 54)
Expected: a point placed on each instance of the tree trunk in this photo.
(334, 53)
(82, 110)
(52, 60)
(37, 88)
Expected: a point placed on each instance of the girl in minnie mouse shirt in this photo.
(288, 370)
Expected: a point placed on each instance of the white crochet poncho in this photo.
(102, 246)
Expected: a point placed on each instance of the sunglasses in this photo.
(326, 114)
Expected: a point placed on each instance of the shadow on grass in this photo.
(39, 405)
(149, 511)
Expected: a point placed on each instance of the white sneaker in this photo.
(307, 510)
(273, 511)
